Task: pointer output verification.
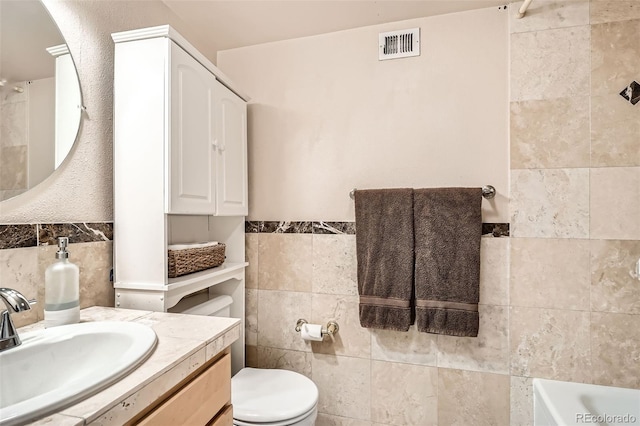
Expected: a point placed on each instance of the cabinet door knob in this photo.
(214, 143)
(222, 148)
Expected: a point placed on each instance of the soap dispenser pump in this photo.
(62, 289)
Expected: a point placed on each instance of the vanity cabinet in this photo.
(203, 399)
(180, 171)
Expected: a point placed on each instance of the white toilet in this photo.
(260, 397)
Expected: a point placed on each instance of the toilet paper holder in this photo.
(331, 328)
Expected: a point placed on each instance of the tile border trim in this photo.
(43, 234)
(346, 228)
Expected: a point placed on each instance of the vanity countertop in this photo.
(185, 342)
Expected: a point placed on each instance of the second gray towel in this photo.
(384, 249)
(448, 227)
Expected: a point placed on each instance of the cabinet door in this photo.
(231, 162)
(192, 135)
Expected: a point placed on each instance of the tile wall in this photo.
(27, 250)
(575, 197)
(13, 143)
(557, 300)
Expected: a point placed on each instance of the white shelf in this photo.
(169, 294)
(212, 276)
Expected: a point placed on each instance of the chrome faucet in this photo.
(14, 302)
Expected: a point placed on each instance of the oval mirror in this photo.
(40, 100)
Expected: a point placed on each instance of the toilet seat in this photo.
(300, 420)
(272, 397)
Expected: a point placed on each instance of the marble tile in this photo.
(550, 64)
(297, 361)
(411, 347)
(278, 312)
(615, 56)
(16, 236)
(489, 352)
(329, 420)
(251, 316)
(615, 347)
(545, 15)
(334, 264)
(351, 339)
(489, 404)
(13, 173)
(285, 262)
(404, 394)
(13, 123)
(494, 271)
(521, 401)
(100, 313)
(614, 10)
(59, 420)
(495, 229)
(5, 194)
(219, 344)
(95, 261)
(19, 271)
(11, 96)
(615, 203)
(550, 203)
(348, 228)
(550, 344)
(615, 132)
(550, 273)
(550, 133)
(48, 233)
(251, 256)
(613, 289)
(286, 227)
(344, 384)
(251, 356)
(197, 327)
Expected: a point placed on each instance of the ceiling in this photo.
(26, 30)
(236, 23)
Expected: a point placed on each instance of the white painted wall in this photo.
(41, 129)
(326, 116)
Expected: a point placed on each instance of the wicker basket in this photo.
(187, 261)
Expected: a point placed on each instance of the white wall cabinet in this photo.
(180, 171)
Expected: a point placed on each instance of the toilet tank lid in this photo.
(202, 304)
(271, 395)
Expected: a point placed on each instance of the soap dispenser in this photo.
(61, 289)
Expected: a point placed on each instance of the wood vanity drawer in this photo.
(225, 418)
(198, 401)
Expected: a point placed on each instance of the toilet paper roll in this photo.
(311, 332)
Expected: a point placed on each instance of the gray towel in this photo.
(384, 249)
(448, 227)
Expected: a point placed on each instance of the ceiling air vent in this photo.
(399, 44)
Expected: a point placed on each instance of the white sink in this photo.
(568, 403)
(59, 366)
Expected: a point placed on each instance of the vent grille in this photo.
(399, 44)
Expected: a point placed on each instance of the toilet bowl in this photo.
(273, 397)
(260, 397)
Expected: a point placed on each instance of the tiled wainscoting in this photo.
(27, 250)
(372, 376)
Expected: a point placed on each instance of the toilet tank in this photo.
(204, 304)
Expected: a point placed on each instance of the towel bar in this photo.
(488, 192)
